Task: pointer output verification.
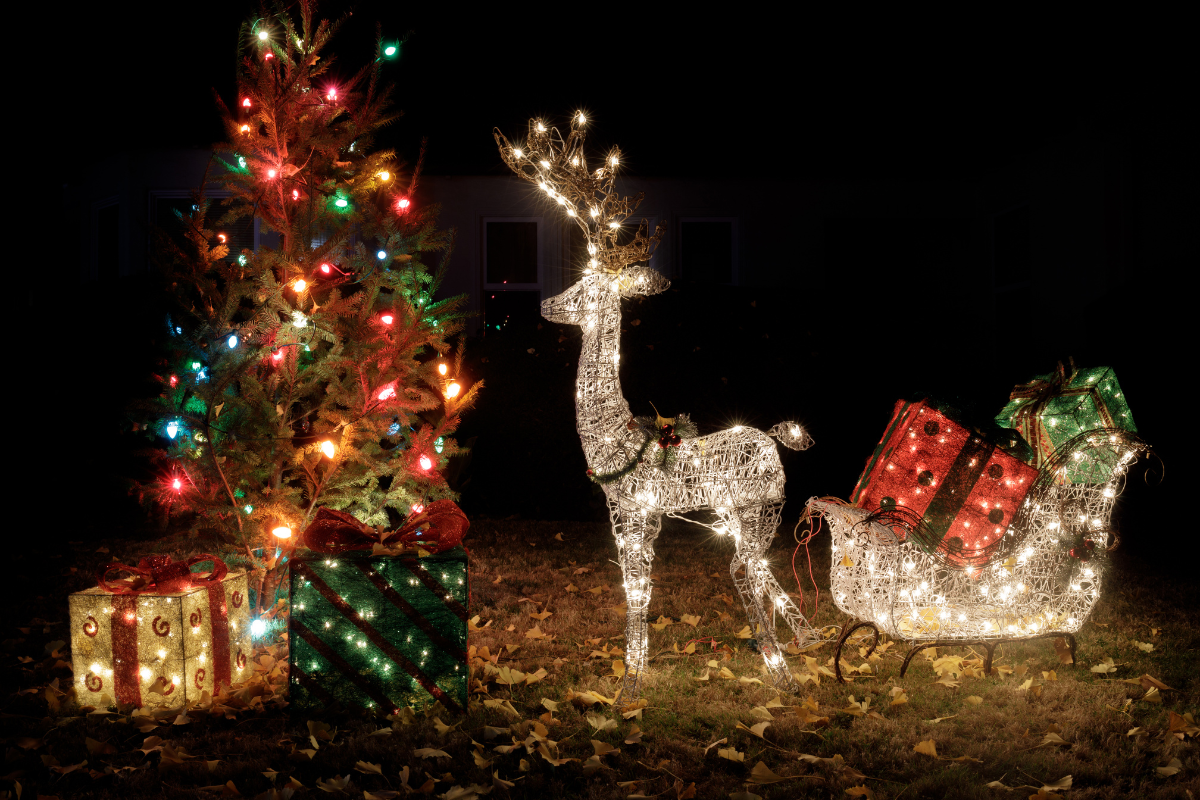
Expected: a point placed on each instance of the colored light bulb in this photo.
(242, 260)
(452, 391)
(325, 268)
(222, 238)
(381, 255)
(242, 162)
(248, 509)
(174, 381)
(417, 508)
(277, 355)
(172, 429)
(402, 203)
(439, 444)
(442, 369)
(341, 202)
(270, 173)
(246, 103)
(299, 285)
(282, 532)
(177, 484)
(385, 175)
(387, 319)
(390, 50)
(245, 129)
(233, 340)
(295, 194)
(387, 393)
(262, 36)
(328, 449)
(258, 627)
(426, 462)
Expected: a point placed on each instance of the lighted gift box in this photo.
(966, 489)
(377, 629)
(161, 638)
(1052, 409)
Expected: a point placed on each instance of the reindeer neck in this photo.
(601, 411)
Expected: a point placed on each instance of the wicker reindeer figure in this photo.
(645, 471)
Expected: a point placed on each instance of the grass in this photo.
(521, 568)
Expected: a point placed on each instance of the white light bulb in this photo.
(595, 212)
(518, 153)
(233, 340)
(545, 164)
(258, 627)
(541, 128)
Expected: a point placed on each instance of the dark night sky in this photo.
(683, 94)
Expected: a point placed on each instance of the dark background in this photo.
(789, 97)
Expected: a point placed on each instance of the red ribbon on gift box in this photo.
(439, 527)
(158, 574)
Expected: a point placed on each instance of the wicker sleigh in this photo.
(1029, 588)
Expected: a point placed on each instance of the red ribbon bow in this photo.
(161, 575)
(440, 526)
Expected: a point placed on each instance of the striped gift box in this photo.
(381, 632)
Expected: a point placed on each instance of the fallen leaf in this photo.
(1172, 768)
(601, 723)
(762, 775)
(731, 754)
(430, 752)
(688, 619)
(1145, 647)
(860, 791)
(368, 768)
(1052, 739)
(927, 748)
(940, 719)
(974, 699)
(542, 615)
(756, 730)
(572, 587)
(1105, 667)
(745, 633)
(635, 736)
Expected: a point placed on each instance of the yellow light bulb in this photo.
(245, 129)
(262, 36)
(613, 160)
(541, 128)
(283, 532)
(299, 285)
(518, 153)
(452, 391)
(582, 119)
(328, 449)
(442, 369)
(385, 175)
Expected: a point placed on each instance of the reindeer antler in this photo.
(589, 197)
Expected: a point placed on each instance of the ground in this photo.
(1031, 724)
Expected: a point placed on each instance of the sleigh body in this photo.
(1041, 580)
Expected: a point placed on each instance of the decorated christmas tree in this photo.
(321, 371)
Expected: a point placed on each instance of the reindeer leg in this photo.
(782, 604)
(635, 531)
(747, 526)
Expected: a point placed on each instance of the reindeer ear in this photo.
(640, 281)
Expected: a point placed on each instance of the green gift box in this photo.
(380, 632)
(1052, 409)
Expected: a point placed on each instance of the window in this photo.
(708, 250)
(108, 242)
(512, 266)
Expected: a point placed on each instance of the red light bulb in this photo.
(426, 462)
(387, 319)
(387, 393)
(277, 355)
(417, 508)
(268, 56)
(295, 194)
(177, 484)
(325, 268)
(402, 203)
(246, 103)
(174, 381)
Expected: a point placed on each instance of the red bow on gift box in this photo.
(439, 527)
(161, 575)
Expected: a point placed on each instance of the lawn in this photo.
(545, 658)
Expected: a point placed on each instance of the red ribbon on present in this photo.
(160, 575)
(440, 526)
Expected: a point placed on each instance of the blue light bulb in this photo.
(242, 260)
(392, 431)
(172, 429)
(381, 255)
(233, 340)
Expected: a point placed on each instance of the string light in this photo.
(262, 36)
(270, 173)
(341, 202)
(387, 394)
(246, 103)
(452, 391)
(386, 319)
(442, 369)
(176, 484)
(245, 129)
(282, 532)
(426, 462)
(277, 355)
(390, 50)
(325, 268)
(232, 341)
(328, 449)
(258, 627)
(402, 203)
(172, 429)
(383, 176)
(295, 194)
(300, 285)
(381, 255)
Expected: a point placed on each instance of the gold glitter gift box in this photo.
(162, 637)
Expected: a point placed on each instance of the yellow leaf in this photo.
(662, 623)
(1105, 667)
(1152, 695)
(572, 587)
(745, 679)
(846, 562)
(940, 719)
(534, 677)
(745, 633)
(927, 748)
(974, 699)
(860, 791)
(1145, 647)
(535, 633)
(541, 615)
(618, 668)
(595, 590)
(1135, 731)
(762, 774)
(368, 768)
(702, 677)
(1050, 676)
(1052, 739)
(429, 752)
(756, 730)
(601, 723)
(1172, 768)
(688, 619)
(726, 674)
(731, 754)
(898, 696)
(760, 712)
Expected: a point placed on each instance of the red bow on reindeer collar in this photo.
(439, 527)
(161, 575)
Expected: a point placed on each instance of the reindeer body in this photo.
(735, 473)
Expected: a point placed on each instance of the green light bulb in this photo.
(341, 202)
(390, 50)
(249, 508)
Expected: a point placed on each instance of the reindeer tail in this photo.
(792, 435)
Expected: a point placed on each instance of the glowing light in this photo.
(246, 103)
(277, 355)
(387, 319)
(328, 449)
(518, 154)
(387, 394)
(258, 627)
(282, 532)
(417, 508)
(174, 381)
(332, 95)
(325, 268)
(439, 444)
(613, 161)
(341, 202)
(262, 36)
(248, 508)
(295, 194)
(299, 285)
(270, 173)
(177, 484)
(385, 175)
(232, 341)
(442, 369)
(426, 462)
(582, 119)
(245, 129)
(298, 319)
(541, 128)
(381, 255)
(221, 238)
(172, 429)
(390, 50)
(402, 203)
(452, 391)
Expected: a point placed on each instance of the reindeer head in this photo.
(596, 291)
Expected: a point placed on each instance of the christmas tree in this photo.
(320, 372)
